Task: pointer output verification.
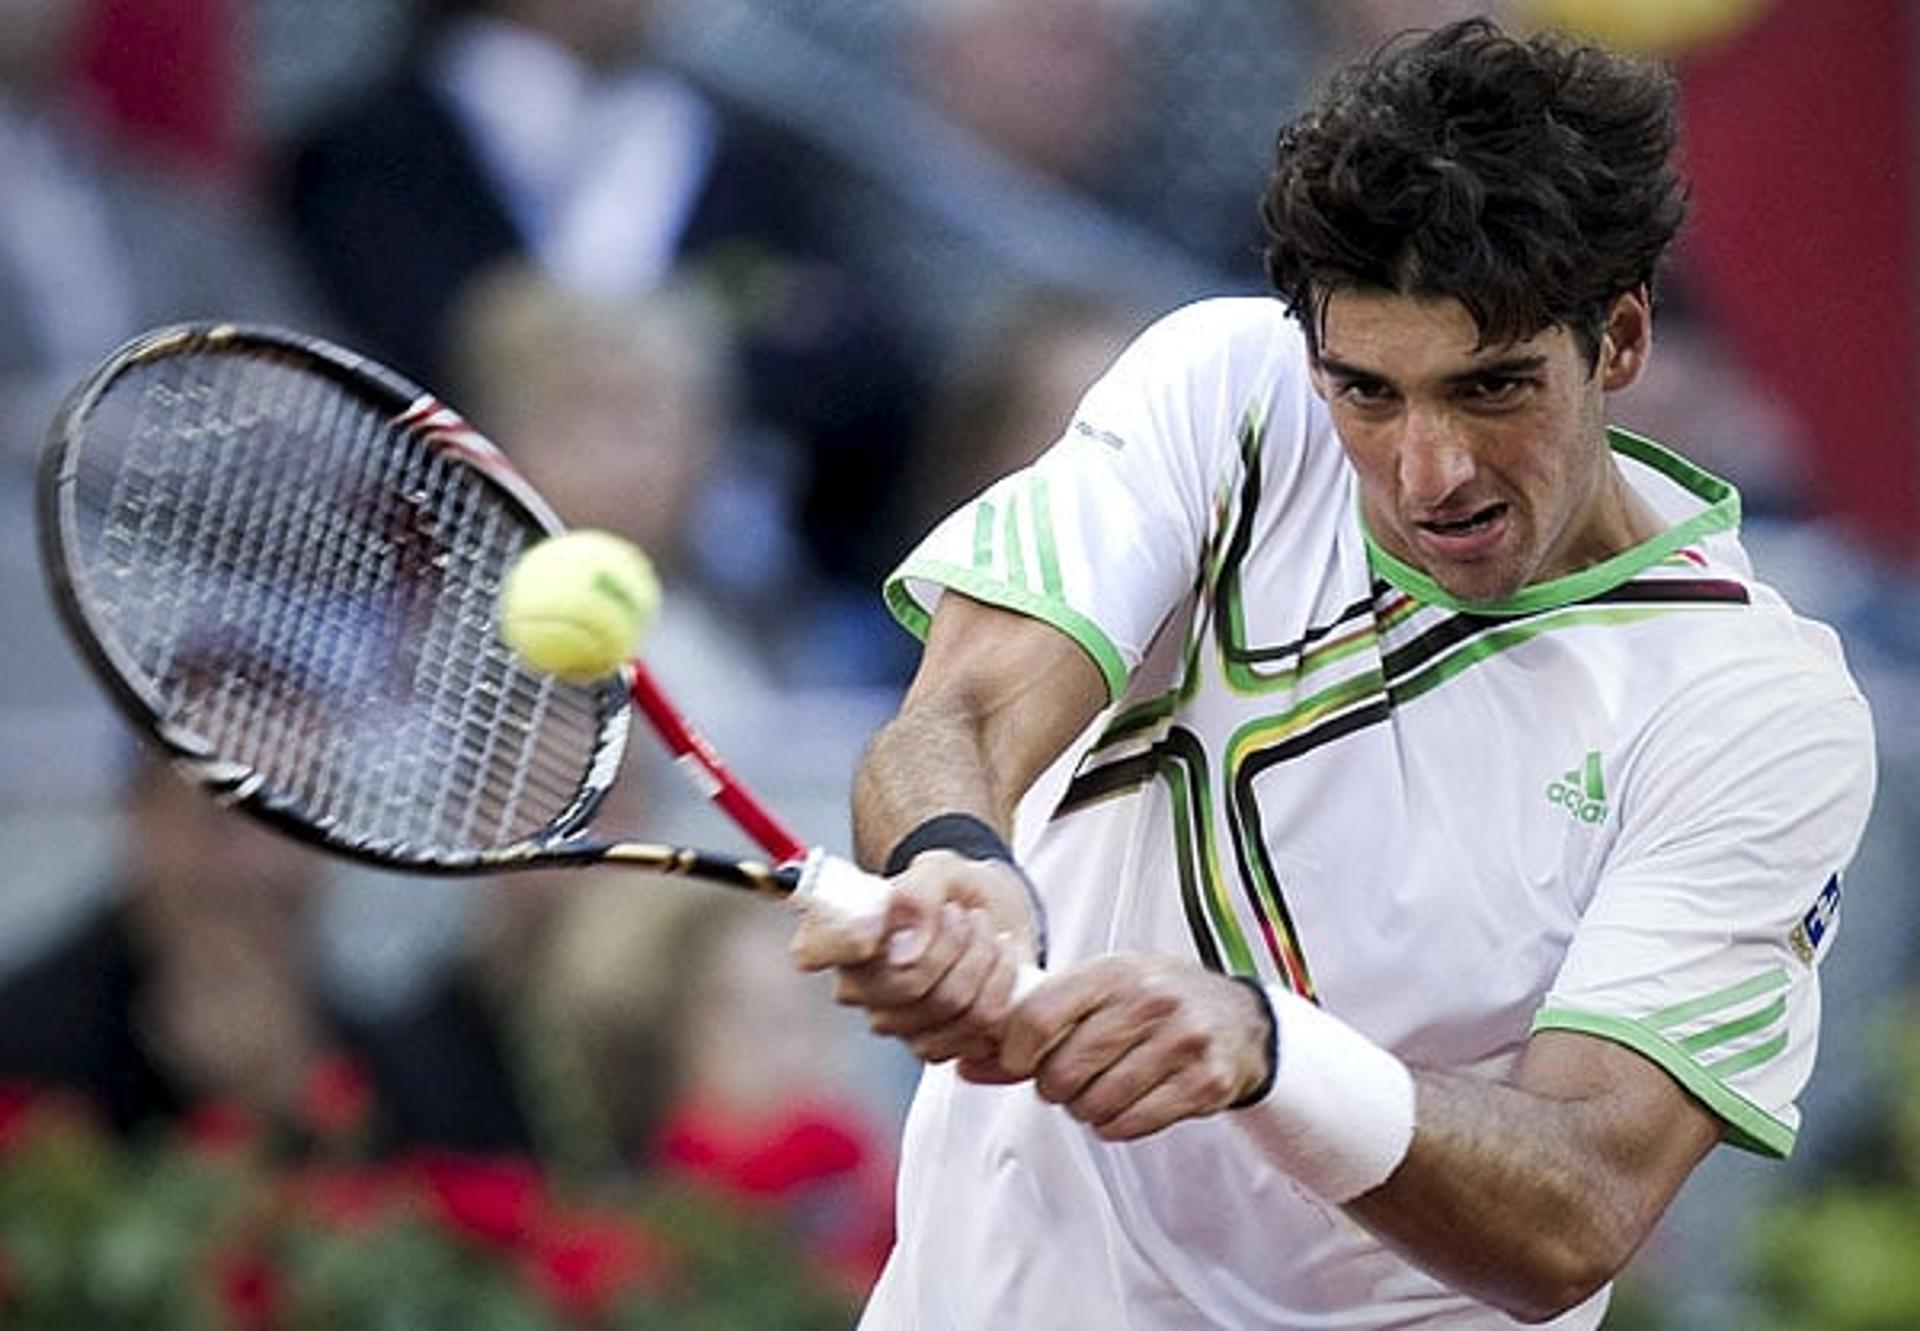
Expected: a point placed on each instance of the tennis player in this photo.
(1430, 827)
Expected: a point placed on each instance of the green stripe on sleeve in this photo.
(984, 587)
(983, 517)
(1739, 1026)
(1049, 553)
(1753, 1058)
(1016, 548)
(1682, 1013)
(1746, 1124)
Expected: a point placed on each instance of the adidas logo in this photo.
(1581, 792)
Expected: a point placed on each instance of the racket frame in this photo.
(807, 877)
(559, 843)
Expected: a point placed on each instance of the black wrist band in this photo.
(959, 832)
(974, 838)
(1259, 1093)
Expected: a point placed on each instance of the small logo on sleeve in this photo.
(1581, 791)
(1816, 926)
(1088, 430)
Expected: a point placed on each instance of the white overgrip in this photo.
(839, 888)
(844, 891)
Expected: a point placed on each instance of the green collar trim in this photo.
(1722, 513)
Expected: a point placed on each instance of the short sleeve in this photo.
(1103, 535)
(1702, 945)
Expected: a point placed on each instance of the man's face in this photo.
(1486, 468)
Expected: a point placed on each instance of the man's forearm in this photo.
(1532, 1202)
(923, 762)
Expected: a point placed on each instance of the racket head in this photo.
(282, 560)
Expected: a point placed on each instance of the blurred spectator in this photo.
(1357, 26)
(619, 410)
(1049, 86)
(170, 79)
(95, 246)
(1011, 131)
(755, 1107)
(507, 129)
(1010, 393)
(193, 992)
(713, 1060)
(616, 410)
(191, 987)
(546, 130)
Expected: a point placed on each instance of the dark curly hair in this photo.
(1531, 180)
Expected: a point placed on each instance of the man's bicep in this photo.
(997, 697)
(1025, 687)
(1640, 1093)
(1638, 1116)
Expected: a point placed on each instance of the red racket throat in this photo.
(709, 775)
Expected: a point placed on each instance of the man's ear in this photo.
(1626, 339)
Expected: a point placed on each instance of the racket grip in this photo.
(839, 887)
(842, 888)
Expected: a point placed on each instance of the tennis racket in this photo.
(282, 561)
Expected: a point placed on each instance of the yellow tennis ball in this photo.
(576, 605)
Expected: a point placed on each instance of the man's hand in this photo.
(937, 968)
(1129, 1044)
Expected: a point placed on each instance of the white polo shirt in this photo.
(1618, 803)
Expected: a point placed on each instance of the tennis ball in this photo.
(577, 604)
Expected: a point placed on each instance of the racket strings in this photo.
(470, 718)
(267, 566)
(362, 771)
(310, 589)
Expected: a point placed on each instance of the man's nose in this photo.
(1435, 460)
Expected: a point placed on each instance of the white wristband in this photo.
(1339, 1118)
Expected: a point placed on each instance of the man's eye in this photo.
(1496, 388)
(1366, 392)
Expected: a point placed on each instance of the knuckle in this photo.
(932, 1049)
(930, 871)
(901, 1019)
(1056, 1085)
(1190, 1044)
(950, 1042)
(1215, 1086)
(940, 1005)
(1156, 1002)
(910, 984)
(1095, 1107)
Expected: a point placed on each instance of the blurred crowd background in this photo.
(766, 285)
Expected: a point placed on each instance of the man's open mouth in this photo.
(1478, 520)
